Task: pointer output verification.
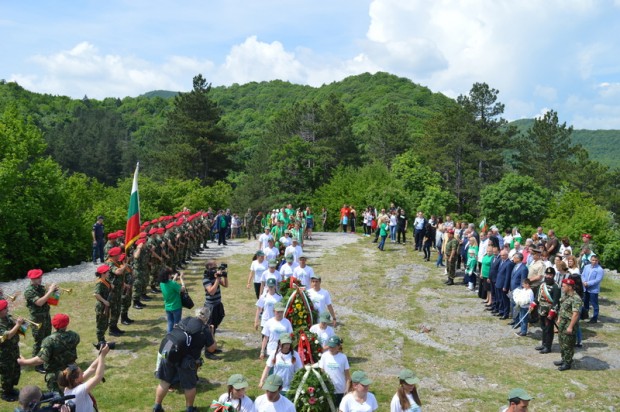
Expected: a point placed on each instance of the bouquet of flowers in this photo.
(312, 390)
(307, 345)
(299, 308)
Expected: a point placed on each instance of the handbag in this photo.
(186, 300)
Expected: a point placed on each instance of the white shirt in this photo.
(323, 334)
(284, 366)
(349, 404)
(296, 251)
(273, 329)
(83, 402)
(286, 241)
(262, 404)
(246, 403)
(264, 240)
(320, 299)
(286, 270)
(266, 302)
(258, 269)
(267, 275)
(303, 274)
(482, 250)
(270, 253)
(395, 405)
(335, 367)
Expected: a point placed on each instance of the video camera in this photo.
(221, 271)
(53, 403)
(99, 345)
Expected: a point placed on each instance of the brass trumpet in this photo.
(69, 291)
(35, 324)
(12, 297)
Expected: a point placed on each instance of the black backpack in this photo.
(176, 343)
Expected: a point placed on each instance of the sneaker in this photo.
(158, 408)
(519, 334)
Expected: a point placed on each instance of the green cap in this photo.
(273, 263)
(271, 282)
(260, 253)
(360, 377)
(302, 256)
(519, 393)
(285, 338)
(279, 307)
(334, 341)
(408, 376)
(273, 383)
(290, 258)
(315, 276)
(238, 381)
(324, 317)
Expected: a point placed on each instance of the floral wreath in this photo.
(312, 390)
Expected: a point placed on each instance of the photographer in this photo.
(185, 370)
(81, 383)
(31, 399)
(213, 278)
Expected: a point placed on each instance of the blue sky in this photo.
(540, 55)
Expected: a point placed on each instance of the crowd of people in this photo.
(541, 279)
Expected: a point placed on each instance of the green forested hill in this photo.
(602, 145)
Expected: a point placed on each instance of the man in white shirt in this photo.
(271, 400)
(271, 252)
(321, 299)
(271, 273)
(286, 270)
(286, 240)
(272, 330)
(303, 272)
(295, 250)
(263, 239)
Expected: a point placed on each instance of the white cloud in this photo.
(609, 90)
(546, 92)
(83, 70)
(253, 60)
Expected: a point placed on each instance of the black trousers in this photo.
(547, 332)
(402, 230)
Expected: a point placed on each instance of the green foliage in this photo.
(40, 227)
(194, 144)
(514, 201)
(367, 185)
(573, 213)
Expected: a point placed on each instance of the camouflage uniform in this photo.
(108, 245)
(127, 294)
(58, 351)
(38, 314)
(10, 370)
(115, 295)
(102, 313)
(248, 220)
(155, 249)
(451, 245)
(568, 305)
(141, 273)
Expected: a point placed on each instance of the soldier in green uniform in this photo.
(117, 279)
(570, 309)
(58, 351)
(36, 300)
(248, 223)
(140, 271)
(156, 261)
(127, 294)
(452, 248)
(111, 243)
(102, 307)
(10, 371)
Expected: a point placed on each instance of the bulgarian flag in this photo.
(133, 213)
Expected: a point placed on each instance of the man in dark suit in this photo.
(519, 272)
(493, 278)
(502, 284)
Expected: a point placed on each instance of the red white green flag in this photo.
(132, 231)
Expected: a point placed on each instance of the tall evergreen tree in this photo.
(545, 153)
(194, 144)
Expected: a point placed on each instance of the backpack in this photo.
(176, 343)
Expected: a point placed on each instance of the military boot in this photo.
(125, 319)
(115, 331)
(138, 305)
